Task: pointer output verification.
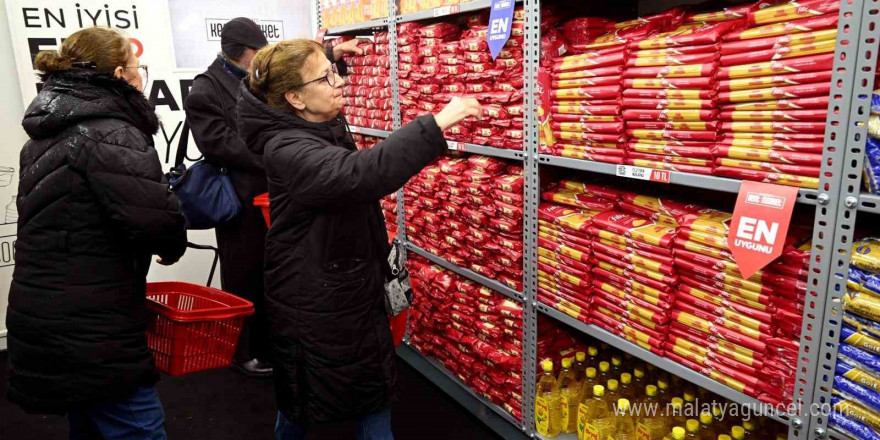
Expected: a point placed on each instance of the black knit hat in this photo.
(240, 33)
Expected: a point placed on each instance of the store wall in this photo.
(162, 26)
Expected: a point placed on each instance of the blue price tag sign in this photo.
(500, 20)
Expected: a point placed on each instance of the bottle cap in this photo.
(677, 402)
(626, 378)
(591, 372)
(612, 384)
(724, 437)
(706, 418)
(782, 436)
(616, 361)
(749, 425)
(598, 390)
(593, 351)
(547, 365)
(604, 366)
(622, 405)
(678, 433)
(662, 384)
(580, 356)
(738, 432)
(651, 390)
(693, 425)
(716, 411)
(689, 397)
(639, 373)
(566, 363)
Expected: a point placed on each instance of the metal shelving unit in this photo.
(715, 183)
(467, 273)
(369, 131)
(837, 202)
(492, 415)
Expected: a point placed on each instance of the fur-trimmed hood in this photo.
(71, 97)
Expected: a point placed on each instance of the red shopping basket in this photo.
(398, 323)
(195, 328)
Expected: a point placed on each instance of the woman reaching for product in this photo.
(327, 247)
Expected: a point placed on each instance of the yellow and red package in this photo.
(669, 166)
(776, 93)
(772, 167)
(634, 275)
(631, 285)
(768, 177)
(817, 102)
(603, 306)
(579, 200)
(794, 10)
(714, 342)
(810, 63)
(689, 35)
(702, 354)
(728, 320)
(586, 82)
(779, 53)
(629, 241)
(708, 327)
(729, 13)
(662, 303)
(635, 257)
(635, 227)
(695, 344)
(634, 268)
(801, 25)
(686, 71)
(701, 83)
(560, 236)
(669, 93)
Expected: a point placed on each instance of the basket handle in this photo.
(205, 247)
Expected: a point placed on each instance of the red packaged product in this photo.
(687, 71)
(592, 93)
(771, 93)
(634, 227)
(775, 42)
(570, 136)
(811, 63)
(669, 115)
(769, 155)
(597, 110)
(670, 159)
(672, 125)
(818, 102)
(439, 30)
(827, 21)
(669, 93)
(669, 83)
(580, 62)
(774, 127)
(678, 60)
(474, 45)
(775, 115)
(774, 81)
(586, 82)
(707, 34)
(799, 170)
(671, 104)
(793, 10)
(589, 127)
(674, 135)
(589, 73)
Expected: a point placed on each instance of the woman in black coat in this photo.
(326, 252)
(93, 207)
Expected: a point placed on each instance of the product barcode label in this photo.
(455, 146)
(354, 129)
(447, 10)
(643, 173)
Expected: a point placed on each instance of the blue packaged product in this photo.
(875, 102)
(862, 325)
(868, 361)
(859, 279)
(856, 392)
(856, 412)
(857, 374)
(872, 165)
(864, 341)
(852, 427)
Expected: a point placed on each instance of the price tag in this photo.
(447, 10)
(456, 146)
(643, 173)
(354, 129)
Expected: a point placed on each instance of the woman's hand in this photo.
(457, 110)
(350, 46)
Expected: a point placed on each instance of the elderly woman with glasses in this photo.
(326, 252)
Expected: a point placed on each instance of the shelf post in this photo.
(531, 199)
(820, 296)
(855, 104)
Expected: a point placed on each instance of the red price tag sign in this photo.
(760, 224)
(321, 34)
(455, 146)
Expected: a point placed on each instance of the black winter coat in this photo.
(93, 207)
(326, 256)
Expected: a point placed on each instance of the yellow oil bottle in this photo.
(707, 427)
(677, 408)
(595, 418)
(604, 372)
(580, 365)
(678, 433)
(616, 366)
(627, 389)
(738, 433)
(548, 404)
(590, 380)
(651, 423)
(612, 390)
(569, 392)
(663, 391)
(692, 428)
(624, 428)
(640, 380)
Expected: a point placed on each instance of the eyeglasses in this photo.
(330, 77)
(143, 70)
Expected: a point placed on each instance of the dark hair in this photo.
(104, 49)
(277, 69)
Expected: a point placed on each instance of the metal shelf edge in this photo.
(362, 26)
(439, 12)
(366, 131)
(715, 183)
(467, 273)
(491, 151)
(498, 419)
(661, 362)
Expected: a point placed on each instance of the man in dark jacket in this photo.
(210, 112)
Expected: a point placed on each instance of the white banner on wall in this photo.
(158, 29)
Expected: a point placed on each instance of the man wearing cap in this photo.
(210, 108)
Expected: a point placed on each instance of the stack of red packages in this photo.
(564, 245)
(585, 102)
(633, 278)
(474, 331)
(444, 60)
(389, 203)
(724, 325)
(773, 87)
(368, 86)
(670, 97)
(469, 211)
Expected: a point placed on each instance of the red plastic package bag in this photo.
(774, 127)
(669, 115)
(672, 150)
(778, 41)
(588, 127)
(776, 93)
(811, 63)
(676, 60)
(707, 170)
(439, 30)
(676, 51)
(827, 21)
(763, 82)
(673, 104)
(673, 125)
(687, 71)
(768, 177)
(794, 10)
(689, 35)
(579, 62)
(669, 93)
(591, 93)
(782, 168)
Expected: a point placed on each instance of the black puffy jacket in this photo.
(326, 256)
(93, 207)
